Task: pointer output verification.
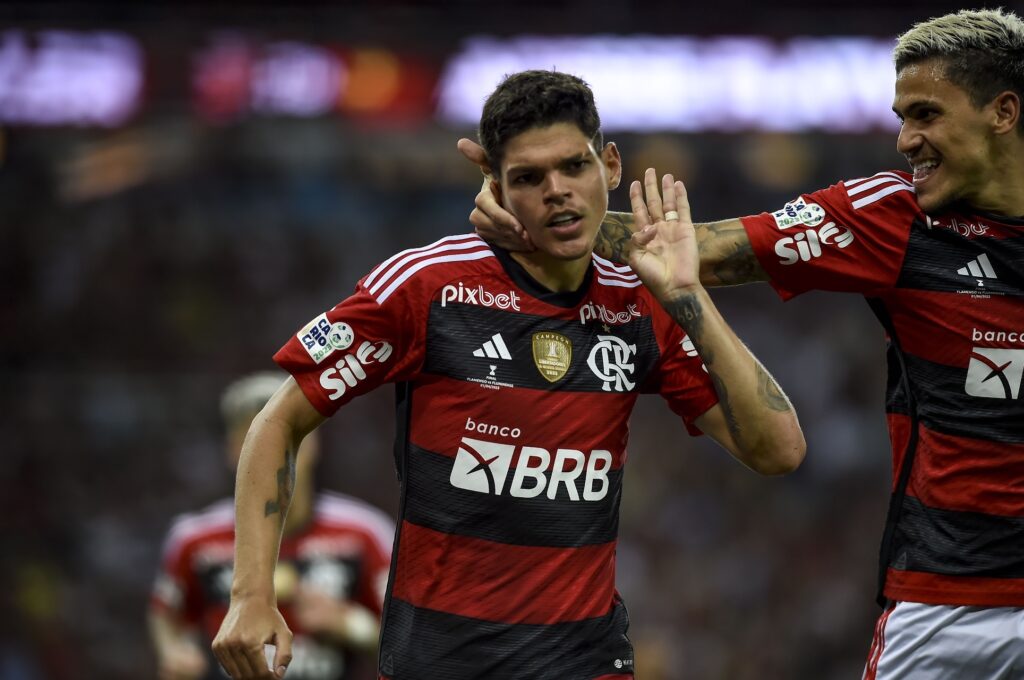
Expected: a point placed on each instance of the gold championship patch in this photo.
(552, 354)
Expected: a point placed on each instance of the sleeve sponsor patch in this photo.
(320, 337)
(799, 213)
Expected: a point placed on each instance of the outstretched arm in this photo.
(263, 493)
(753, 418)
(726, 256)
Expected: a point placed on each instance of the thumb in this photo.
(474, 153)
(282, 653)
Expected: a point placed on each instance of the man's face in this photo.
(947, 141)
(556, 184)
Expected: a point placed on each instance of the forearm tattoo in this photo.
(688, 313)
(614, 236)
(285, 487)
(770, 393)
(727, 245)
(731, 421)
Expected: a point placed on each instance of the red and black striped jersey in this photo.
(344, 552)
(513, 420)
(949, 289)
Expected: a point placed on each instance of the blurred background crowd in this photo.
(183, 187)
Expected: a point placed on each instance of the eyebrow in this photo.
(913, 106)
(583, 155)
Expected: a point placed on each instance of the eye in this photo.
(579, 164)
(525, 178)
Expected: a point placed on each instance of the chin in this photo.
(571, 251)
(933, 201)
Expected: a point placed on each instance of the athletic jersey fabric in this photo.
(512, 428)
(949, 290)
(344, 551)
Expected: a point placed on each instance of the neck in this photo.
(558, 276)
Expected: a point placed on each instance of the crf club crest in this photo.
(552, 354)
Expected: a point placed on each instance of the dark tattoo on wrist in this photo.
(688, 313)
(770, 392)
(285, 487)
(614, 236)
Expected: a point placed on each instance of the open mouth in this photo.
(564, 220)
(924, 169)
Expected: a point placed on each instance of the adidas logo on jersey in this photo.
(494, 348)
(483, 467)
(979, 268)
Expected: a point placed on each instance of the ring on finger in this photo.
(671, 215)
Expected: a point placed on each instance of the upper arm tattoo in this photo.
(614, 236)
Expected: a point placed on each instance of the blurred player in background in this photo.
(518, 374)
(329, 582)
(939, 255)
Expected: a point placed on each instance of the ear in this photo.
(1006, 110)
(612, 163)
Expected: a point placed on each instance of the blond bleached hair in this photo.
(245, 397)
(983, 50)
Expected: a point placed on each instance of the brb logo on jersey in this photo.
(806, 245)
(483, 467)
(479, 295)
(611, 360)
(349, 369)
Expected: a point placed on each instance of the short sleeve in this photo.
(361, 343)
(850, 237)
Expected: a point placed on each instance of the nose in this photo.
(556, 187)
(909, 139)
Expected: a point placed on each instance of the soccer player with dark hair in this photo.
(939, 255)
(516, 374)
(329, 582)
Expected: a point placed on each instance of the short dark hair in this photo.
(531, 99)
(983, 51)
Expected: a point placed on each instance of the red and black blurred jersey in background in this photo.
(949, 290)
(512, 428)
(344, 552)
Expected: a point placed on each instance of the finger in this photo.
(489, 205)
(283, 657)
(474, 153)
(653, 195)
(250, 662)
(636, 201)
(669, 194)
(641, 238)
(682, 202)
(226, 659)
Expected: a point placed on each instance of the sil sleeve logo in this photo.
(995, 373)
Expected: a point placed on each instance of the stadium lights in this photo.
(65, 78)
(727, 84)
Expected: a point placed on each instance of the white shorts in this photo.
(916, 641)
